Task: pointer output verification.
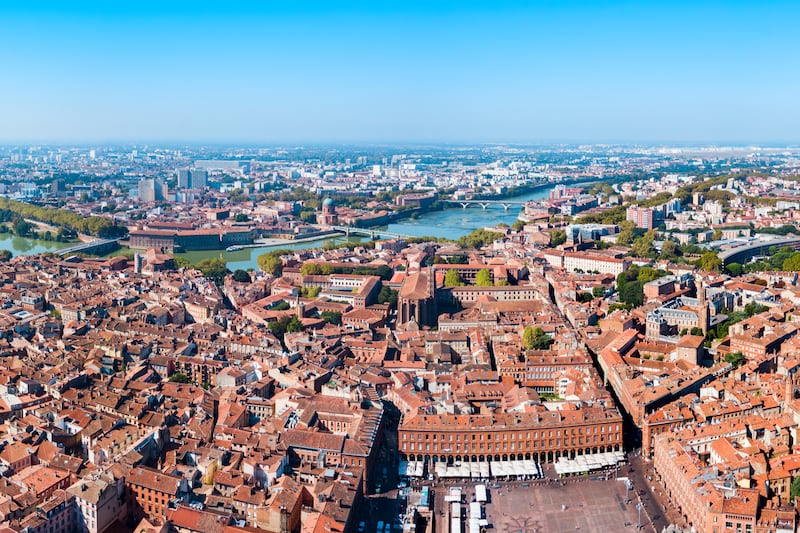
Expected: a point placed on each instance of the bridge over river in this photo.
(372, 233)
(97, 247)
(506, 204)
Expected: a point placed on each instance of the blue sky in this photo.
(275, 72)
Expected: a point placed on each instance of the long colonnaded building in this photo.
(542, 436)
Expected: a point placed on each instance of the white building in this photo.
(99, 502)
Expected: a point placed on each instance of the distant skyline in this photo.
(399, 72)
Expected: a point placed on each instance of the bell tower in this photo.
(703, 312)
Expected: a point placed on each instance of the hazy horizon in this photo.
(458, 73)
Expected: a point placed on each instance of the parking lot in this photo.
(589, 505)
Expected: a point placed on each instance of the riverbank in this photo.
(437, 220)
(279, 243)
(525, 192)
(455, 221)
(527, 188)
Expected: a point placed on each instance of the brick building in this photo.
(542, 436)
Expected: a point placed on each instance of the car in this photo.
(361, 526)
(387, 528)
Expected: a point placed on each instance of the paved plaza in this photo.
(590, 506)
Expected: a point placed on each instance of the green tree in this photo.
(534, 338)
(518, 225)
(627, 233)
(669, 250)
(388, 296)
(529, 335)
(317, 269)
(736, 359)
(479, 238)
(214, 269)
(735, 269)
(626, 237)
(294, 325)
(5, 256)
(21, 227)
(753, 308)
(242, 276)
(284, 325)
(598, 291)
(270, 263)
(179, 377)
(794, 489)
(311, 269)
(278, 327)
(696, 331)
(331, 317)
(453, 279)
(557, 237)
(647, 274)
(384, 272)
(643, 246)
(483, 278)
(584, 297)
(710, 262)
(792, 263)
(632, 293)
(309, 216)
(309, 292)
(241, 217)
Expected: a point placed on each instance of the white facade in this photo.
(98, 503)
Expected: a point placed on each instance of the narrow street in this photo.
(651, 493)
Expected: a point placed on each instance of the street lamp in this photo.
(639, 508)
(627, 490)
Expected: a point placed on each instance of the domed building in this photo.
(328, 214)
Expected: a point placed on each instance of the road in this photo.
(651, 493)
(382, 500)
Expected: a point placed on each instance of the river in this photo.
(456, 222)
(247, 258)
(450, 223)
(24, 246)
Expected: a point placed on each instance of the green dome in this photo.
(328, 202)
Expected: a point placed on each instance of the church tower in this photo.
(703, 312)
(788, 393)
